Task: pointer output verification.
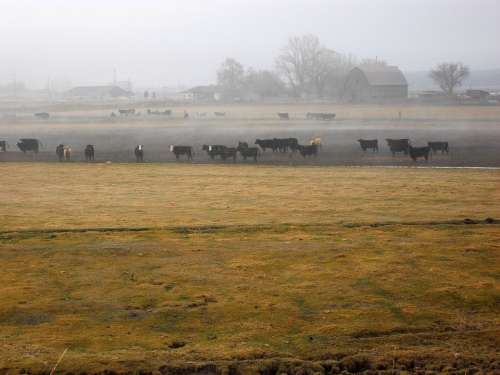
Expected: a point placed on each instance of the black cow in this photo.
(419, 152)
(398, 145)
(320, 116)
(182, 150)
(438, 146)
(229, 152)
(368, 144)
(264, 144)
(3, 146)
(139, 153)
(29, 144)
(60, 152)
(126, 112)
(283, 116)
(42, 115)
(248, 152)
(309, 150)
(283, 144)
(214, 150)
(89, 153)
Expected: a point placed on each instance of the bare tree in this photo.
(449, 76)
(310, 68)
(263, 83)
(296, 61)
(230, 77)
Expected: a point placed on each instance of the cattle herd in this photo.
(223, 152)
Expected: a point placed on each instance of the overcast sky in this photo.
(169, 42)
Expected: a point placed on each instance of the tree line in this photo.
(305, 68)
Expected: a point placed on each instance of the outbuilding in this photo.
(375, 84)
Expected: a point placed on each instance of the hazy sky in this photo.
(170, 42)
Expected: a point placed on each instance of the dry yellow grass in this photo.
(243, 263)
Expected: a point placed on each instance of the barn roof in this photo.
(98, 91)
(384, 76)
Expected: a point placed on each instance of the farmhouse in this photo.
(202, 94)
(381, 83)
(97, 92)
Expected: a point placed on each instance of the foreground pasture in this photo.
(248, 268)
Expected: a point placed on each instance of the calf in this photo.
(368, 144)
(398, 145)
(182, 150)
(419, 152)
(438, 146)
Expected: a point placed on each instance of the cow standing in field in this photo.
(214, 150)
(398, 145)
(283, 116)
(126, 112)
(42, 115)
(228, 153)
(283, 144)
(316, 141)
(67, 153)
(29, 144)
(264, 144)
(182, 150)
(419, 152)
(320, 116)
(60, 152)
(368, 144)
(438, 146)
(248, 152)
(139, 153)
(3, 146)
(309, 150)
(89, 153)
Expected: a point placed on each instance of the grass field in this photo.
(248, 269)
(409, 111)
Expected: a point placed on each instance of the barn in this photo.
(375, 84)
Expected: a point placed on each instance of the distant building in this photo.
(202, 94)
(478, 94)
(97, 92)
(381, 83)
